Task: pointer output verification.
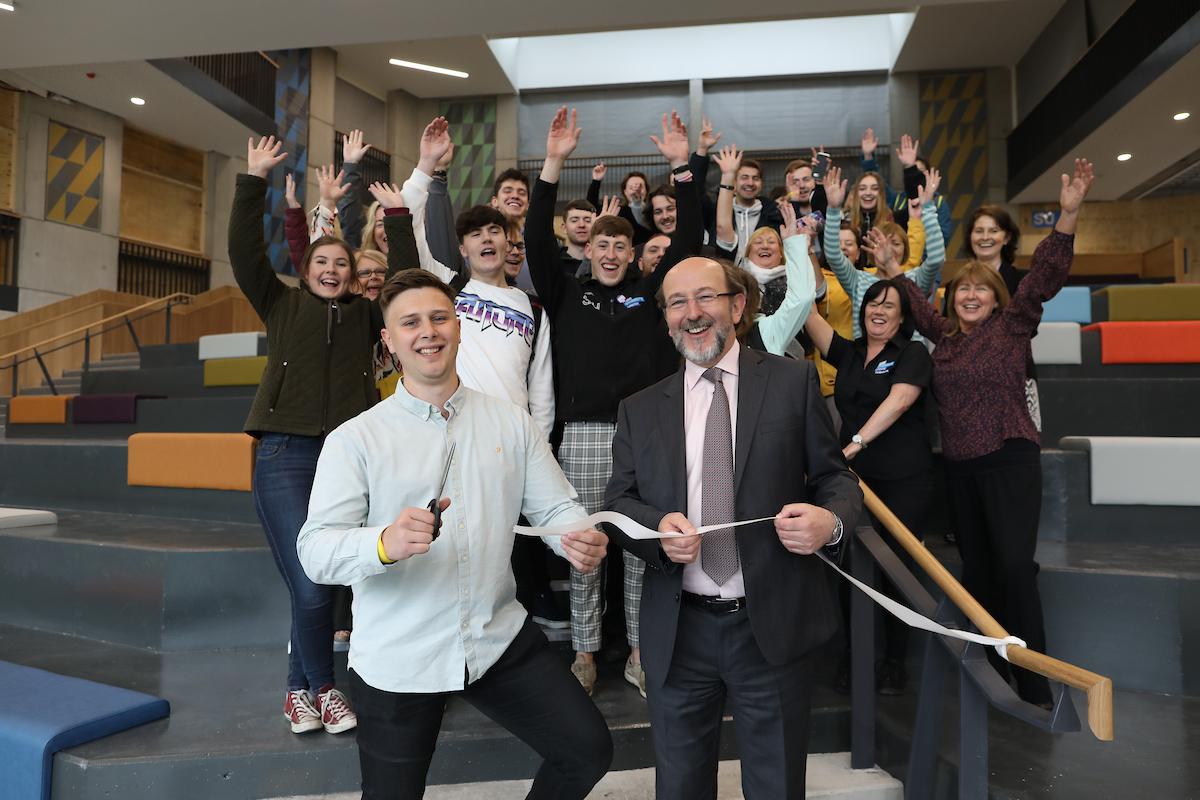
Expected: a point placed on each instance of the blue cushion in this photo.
(1071, 304)
(43, 713)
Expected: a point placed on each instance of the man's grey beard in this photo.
(721, 334)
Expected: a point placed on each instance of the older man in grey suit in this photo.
(735, 615)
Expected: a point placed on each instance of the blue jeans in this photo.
(284, 468)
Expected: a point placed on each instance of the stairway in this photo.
(71, 381)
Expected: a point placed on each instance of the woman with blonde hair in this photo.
(992, 449)
(866, 206)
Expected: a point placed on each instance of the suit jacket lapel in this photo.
(671, 428)
(752, 389)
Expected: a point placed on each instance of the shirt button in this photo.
(463, 558)
(677, 597)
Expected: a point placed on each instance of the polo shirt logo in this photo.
(631, 302)
(883, 367)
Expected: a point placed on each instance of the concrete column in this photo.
(904, 116)
(695, 108)
(220, 180)
(506, 131)
(322, 86)
(405, 122)
(1001, 104)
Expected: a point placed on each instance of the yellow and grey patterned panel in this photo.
(74, 176)
(954, 137)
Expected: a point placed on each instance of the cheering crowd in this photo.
(683, 358)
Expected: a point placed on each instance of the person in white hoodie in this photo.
(740, 208)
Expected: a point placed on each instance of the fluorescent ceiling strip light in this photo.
(7, 7)
(453, 73)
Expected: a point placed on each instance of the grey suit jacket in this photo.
(786, 453)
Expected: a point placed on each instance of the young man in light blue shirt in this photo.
(434, 602)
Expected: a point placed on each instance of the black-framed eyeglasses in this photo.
(518, 246)
(704, 300)
(364, 274)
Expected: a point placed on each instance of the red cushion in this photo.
(1176, 342)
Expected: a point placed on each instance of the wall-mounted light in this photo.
(453, 73)
(1181, 116)
(137, 101)
(1124, 156)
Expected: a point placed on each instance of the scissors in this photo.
(435, 505)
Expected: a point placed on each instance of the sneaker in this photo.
(336, 714)
(299, 711)
(636, 676)
(890, 678)
(546, 612)
(585, 673)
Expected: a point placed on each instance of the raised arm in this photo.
(593, 192)
(295, 224)
(689, 225)
(843, 270)
(398, 225)
(728, 159)
(247, 246)
(541, 245)
(349, 208)
(928, 275)
(1051, 263)
(781, 327)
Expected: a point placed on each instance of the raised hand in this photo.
(708, 139)
(880, 249)
(869, 143)
(388, 194)
(1075, 187)
(598, 171)
(835, 187)
(564, 133)
(435, 141)
(263, 157)
(908, 151)
(933, 179)
(332, 188)
(443, 163)
(609, 207)
(788, 228)
(289, 191)
(674, 142)
(808, 225)
(353, 148)
(728, 158)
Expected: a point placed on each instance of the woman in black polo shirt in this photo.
(881, 379)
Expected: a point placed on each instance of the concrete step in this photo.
(173, 381)
(154, 415)
(828, 776)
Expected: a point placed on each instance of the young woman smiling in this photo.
(318, 375)
(992, 449)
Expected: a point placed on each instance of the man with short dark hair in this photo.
(434, 604)
(577, 220)
(510, 194)
(732, 620)
(652, 251)
(609, 341)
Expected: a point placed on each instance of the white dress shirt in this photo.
(697, 397)
(423, 623)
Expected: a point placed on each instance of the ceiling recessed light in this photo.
(1181, 116)
(137, 101)
(453, 73)
(7, 7)
(1124, 156)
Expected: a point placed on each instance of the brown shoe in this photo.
(635, 676)
(585, 673)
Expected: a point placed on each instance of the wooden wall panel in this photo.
(162, 212)
(8, 149)
(149, 153)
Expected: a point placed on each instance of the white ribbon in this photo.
(906, 615)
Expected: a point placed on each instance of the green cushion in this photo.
(246, 371)
(1168, 301)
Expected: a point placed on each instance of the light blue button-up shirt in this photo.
(421, 624)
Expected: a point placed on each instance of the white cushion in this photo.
(24, 517)
(1141, 470)
(1057, 343)
(229, 345)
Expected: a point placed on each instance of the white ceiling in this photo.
(1144, 128)
(366, 66)
(989, 34)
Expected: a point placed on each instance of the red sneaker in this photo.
(300, 712)
(336, 714)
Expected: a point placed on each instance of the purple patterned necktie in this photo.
(718, 550)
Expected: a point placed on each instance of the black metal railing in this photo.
(376, 165)
(38, 353)
(156, 272)
(577, 172)
(251, 76)
(945, 659)
(10, 231)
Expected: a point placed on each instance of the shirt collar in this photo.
(693, 373)
(425, 410)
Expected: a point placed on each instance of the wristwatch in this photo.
(858, 440)
(836, 539)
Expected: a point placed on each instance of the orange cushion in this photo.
(44, 409)
(1149, 342)
(192, 460)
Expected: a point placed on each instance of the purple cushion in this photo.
(98, 408)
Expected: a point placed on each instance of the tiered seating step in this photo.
(1141, 470)
(177, 381)
(38, 409)
(161, 415)
(1168, 301)
(1148, 342)
(1071, 304)
(232, 345)
(1117, 406)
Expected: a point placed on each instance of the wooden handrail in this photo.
(1098, 687)
(89, 326)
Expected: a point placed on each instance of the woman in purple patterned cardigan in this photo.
(992, 450)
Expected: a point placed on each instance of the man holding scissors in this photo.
(434, 599)
(734, 616)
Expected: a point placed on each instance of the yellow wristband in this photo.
(383, 557)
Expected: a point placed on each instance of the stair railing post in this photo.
(927, 727)
(862, 659)
(972, 731)
(45, 372)
(137, 344)
(87, 350)
(167, 333)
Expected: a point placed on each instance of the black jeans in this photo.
(530, 691)
(994, 508)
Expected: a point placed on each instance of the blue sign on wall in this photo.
(1045, 219)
